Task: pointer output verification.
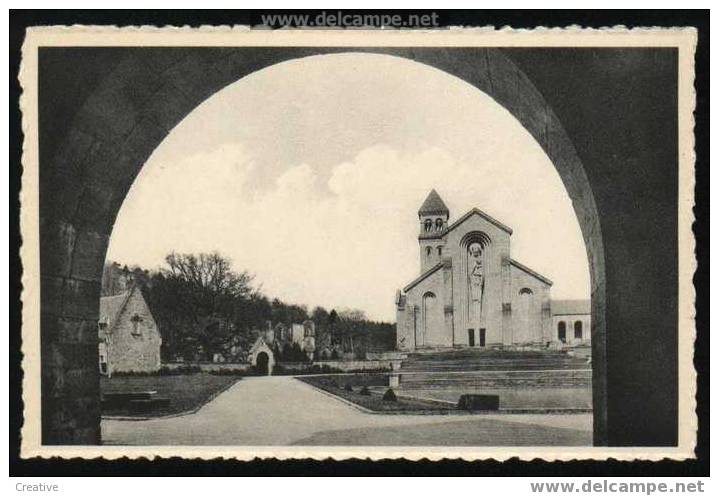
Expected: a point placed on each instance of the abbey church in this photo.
(471, 292)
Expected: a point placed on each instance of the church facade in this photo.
(470, 292)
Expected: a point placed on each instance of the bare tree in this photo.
(212, 285)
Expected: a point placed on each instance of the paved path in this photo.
(263, 411)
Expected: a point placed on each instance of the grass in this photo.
(336, 385)
(539, 398)
(186, 392)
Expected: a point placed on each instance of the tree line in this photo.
(203, 308)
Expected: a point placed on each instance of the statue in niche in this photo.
(476, 281)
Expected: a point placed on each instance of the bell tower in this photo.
(433, 222)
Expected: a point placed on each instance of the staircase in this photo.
(493, 369)
(477, 359)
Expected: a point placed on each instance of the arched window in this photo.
(439, 251)
(429, 251)
(136, 319)
(429, 318)
(525, 291)
(439, 224)
(562, 331)
(578, 329)
(428, 225)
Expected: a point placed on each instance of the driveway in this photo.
(263, 411)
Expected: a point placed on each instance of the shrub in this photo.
(239, 372)
(478, 402)
(348, 387)
(389, 395)
(182, 370)
(364, 391)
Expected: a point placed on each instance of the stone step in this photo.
(495, 366)
(548, 378)
(482, 359)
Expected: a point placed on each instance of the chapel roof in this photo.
(571, 307)
(433, 204)
(259, 344)
(423, 276)
(112, 306)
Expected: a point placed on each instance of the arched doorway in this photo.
(263, 363)
(114, 130)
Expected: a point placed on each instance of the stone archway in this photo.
(263, 363)
(135, 103)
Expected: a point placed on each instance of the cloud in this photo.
(313, 182)
(348, 240)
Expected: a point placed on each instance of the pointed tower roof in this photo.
(433, 204)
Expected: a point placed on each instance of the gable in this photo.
(481, 214)
(118, 310)
(258, 346)
(138, 305)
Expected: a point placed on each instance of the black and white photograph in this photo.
(351, 243)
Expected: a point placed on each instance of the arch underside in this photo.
(478, 237)
(84, 180)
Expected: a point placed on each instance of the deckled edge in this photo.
(29, 219)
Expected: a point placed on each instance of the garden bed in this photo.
(377, 385)
(184, 392)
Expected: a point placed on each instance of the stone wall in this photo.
(385, 355)
(208, 366)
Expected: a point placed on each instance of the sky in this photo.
(309, 174)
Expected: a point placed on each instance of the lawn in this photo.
(186, 392)
(517, 398)
(335, 384)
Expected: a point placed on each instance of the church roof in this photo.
(482, 214)
(433, 204)
(423, 276)
(571, 307)
(530, 271)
